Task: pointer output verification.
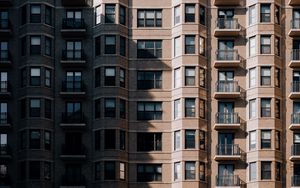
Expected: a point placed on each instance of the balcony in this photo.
(73, 58)
(5, 27)
(295, 90)
(73, 27)
(73, 152)
(4, 120)
(227, 152)
(227, 27)
(72, 181)
(4, 89)
(76, 2)
(227, 59)
(294, 2)
(5, 58)
(73, 120)
(295, 152)
(227, 121)
(73, 89)
(295, 58)
(232, 181)
(295, 181)
(227, 90)
(295, 121)
(5, 181)
(295, 28)
(5, 151)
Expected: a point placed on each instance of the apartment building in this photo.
(149, 94)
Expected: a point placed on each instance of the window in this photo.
(202, 140)
(252, 46)
(122, 46)
(265, 107)
(252, 171)
(122, 109)
(189, 13)
(177, 46)
(252, 77)
(109, 170)
(177, 78)
(265, 44)
(277, 14)
(277, 46)
(122, 140)
(110, 44)
(149, 18)
(98, 46)
(35, 139)
(265, 13)
(110, 13)
(149, 80)
(122, 15)
(190, 170)
(48, 15)
(73, 51)
(177, 109)
(23, 46)
(277, 108)
(265, 77)
(98, 14)
(265, 170)
(190, 139)
(122, 77)
(202, 105)
(48, 109)
(110, 76)
(252, 108)
(110, 139)
(97, 171)
(177, 15)
(122, 171)
(177, 171)
(97, 140)
(23, 108)
(97, 77)
(177, 140)
(34, 170)
(252, 140)
(47, 171)
(23, 14)
(35, 13)
(35, 45)
(149, 49)
(202, 46)
(277, 77)
(35, 76)
(47, 140)
(189, 44)
(202, 15)
(202, 171)
(97, 108)
(4, 21)
(48, 77)
(48, 46)
(252, 15)
(202, 77)
(149, 111)
(149, 141)
(265, 139)
(23, 77)
(35, 108)
(110, 108)
(23, 140)
(277, 140)
(149, 172)
(190, 107)
(278, 171)
(190, 76)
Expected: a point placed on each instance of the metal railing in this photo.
(5, 149)
(68, 149)
(149, 115)
(296, 180)
(73, 180)
(295, 86)
(228, 180)
(295, 149)
(4, 24)
(228, 149)
(149, 84)
(227, 118)
(4, 87)
(73, 23)
(227, 55)
(227, 86)
(295, 23)
(71, 55)
(4, 55)
(295, 54)
(227, 23)
(73, 86)
(295, 118)
(73, 117)
(4, 118)
(5, 180)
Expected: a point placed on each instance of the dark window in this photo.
(277, 14)
(97, 108)
(23, 108)
(110, 76)
(265, 107)
(24, 15)
(189, 13)
(23, 140)
(202, 106)
(277, 108)
(265, 13)
(73, 51)
(277, 77)
(23, 77)
(47, 170)
(97, 140)
(202, 46)
(48, 77)
(23, 170)
(190, 170)
(265, 77)
(149, 142)
(4, 21)
(98, 14)
(48, 15)
(149, 79)
(202, 77)
(35, 76)
(149, 18)
(122, 140)
(122, 46)
(202, 171)
(48, 46)
(202, 140)
(190, 76)
(122, 77)
(110, 13)
(190, 139)
(110, 44)
(122, 15)
(122, 109)
(35, 139)
(265, 170)
(48, 108)
(34, 170)
(265, 139)
(97, 171)
(110, 107)
(47, 140)
(202, 14)
(109, 170)
(277, 140)
(98, 46)
(265, 44)
(110, 139)
(189, 44)
(35, 13)
(277, 46)
(35, 108)
(149, 49)
(23, 46)
(97, 77)
(278, 171)
(149, 111)
(190, 109)
(149, 172)
(35, 45)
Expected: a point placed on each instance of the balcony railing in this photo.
(295, 23)
(295, 54)
(228, 149)
(227, 23)
(227, 118)
(228, 180)
(296, 180)
(4, 55)
(68, 149)
(73, 117)
(4, 118)
(4, 24)
(227, 86)
(4, 87)
(227, 55)
(149, 84)
(73, 180)
(5, 149)
(73, 55)
(295, 148)
(295, 118)
(73, 86)
(149, 115)
(73, 23)
(295, 86)
(5, 180)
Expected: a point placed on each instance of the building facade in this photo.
(149, 94)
